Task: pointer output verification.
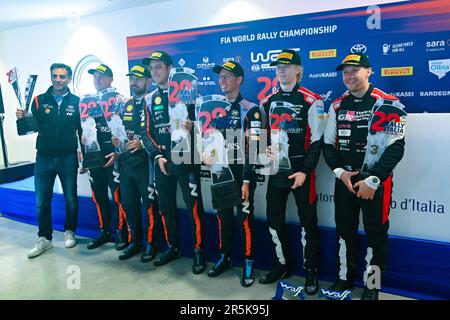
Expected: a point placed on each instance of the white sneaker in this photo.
(69, 239)
(42, 245)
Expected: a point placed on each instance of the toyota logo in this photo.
(359, 48)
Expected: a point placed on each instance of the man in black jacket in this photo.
(345, 141)
(56, 112)
(157, 140)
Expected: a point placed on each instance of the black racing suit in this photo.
(305, 140)
(246, 118)
(156, 136)
(134, 178)
(345, 142)
(102, 178)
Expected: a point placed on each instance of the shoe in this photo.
(121, 240)
(223, 264)
(198, 262)
(131, 250)
(102, 238)
(280, 272)
(248, 276)
(42, 245)
(341, 285)
(311, 282)
(149, 253)
(370, 294)
(171, 254)
(69, 239)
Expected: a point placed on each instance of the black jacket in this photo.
(59, 126)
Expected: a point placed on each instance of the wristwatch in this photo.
(373, 182)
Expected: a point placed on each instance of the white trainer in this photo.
(69, 239)
(42, 245)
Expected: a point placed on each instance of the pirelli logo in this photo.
(156, 55)
(397, 71)
(229, 64)
(285, 55)
(319, 54)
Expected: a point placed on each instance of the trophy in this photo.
(386, 125)
(90, 110)
(281, 114)
(27, 124)
(183, 91)
(225, 191)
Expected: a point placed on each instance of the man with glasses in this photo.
(157, 140)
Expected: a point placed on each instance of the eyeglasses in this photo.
(226, 77)
(156, 67)
(61, 76)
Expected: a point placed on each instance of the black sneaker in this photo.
(149, 253)
(370, 294)
(131, 250)
(121, 240)
(223, 264)
(198, 262)
(311, 282)
(170, 254)
(341, 285)
(102, 238)
(248, 276)
(280, 272)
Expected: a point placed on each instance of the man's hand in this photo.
(112, 157)
(364, 191)
(20, 113)
(271, 152)
(299, 179)
(115, 141)
(208, 160)
(245, 191)
(346, 179)
(134, 145)
(80, 156)
(187, 125)
(162, 165)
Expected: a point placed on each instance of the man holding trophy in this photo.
(363, 142)
(103, 176)
(238, 122)
(162, 138)
(296, 122)
(56, 112)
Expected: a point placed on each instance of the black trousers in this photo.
(101, 179)
(306, 200)
(134, 184)
(166, 188)
(376, 224)
(245, 214)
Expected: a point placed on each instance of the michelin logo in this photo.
(439, 67)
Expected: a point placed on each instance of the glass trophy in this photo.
(386, 125)
(225, 190)
(90, 110)
(183, 91)
(281, 115)
(27, 124)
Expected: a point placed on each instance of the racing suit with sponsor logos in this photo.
(305, 141)
(156, 136)
(244, 118)
(103, 178)
(134, 178)
(345, 140)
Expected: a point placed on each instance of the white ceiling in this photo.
(21, 13)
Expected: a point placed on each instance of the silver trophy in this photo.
(27, 124)
(90, 110)
(183, 91)
(281, 115)
(225, 191)
(386, 125)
